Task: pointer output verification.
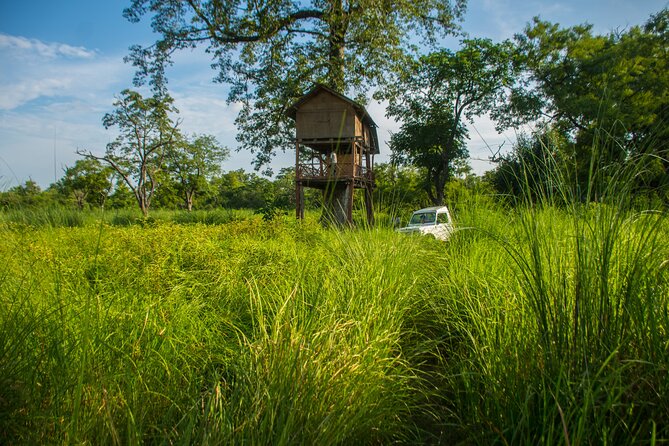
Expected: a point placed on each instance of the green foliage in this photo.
(88, 182)
(271, 52)
(399, 189)
(284, 190)
(535, 168)
(236, 333)
(239, 189)
(566, 312)
(539, 324)
(192, 162)
(53, 217)
(428, 141)
(230, 190)
(121, 198)
(435, 96)
(167, 194)
(28, 194)
(541, 164)
(146, 130)
(595, 88)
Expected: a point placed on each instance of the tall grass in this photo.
(556, 320)
(251, 332)
(542, 323)
(65, 217)
(54, 217)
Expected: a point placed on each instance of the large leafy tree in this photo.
(600, 87)
(429, 140)
(192, 162)
(271, 51)
(146, 130)
(435, 98)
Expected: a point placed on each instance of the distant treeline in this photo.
(529, 172)
(89, 185)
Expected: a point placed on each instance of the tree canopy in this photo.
(192, 162)
(437, 95)
(87, 182)
(582, 81)
(604, 97)
(271, 51)
(146, 130)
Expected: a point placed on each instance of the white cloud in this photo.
(52, 95)
(37, 144)
(35, 69)
(202, 113)
(49, 50)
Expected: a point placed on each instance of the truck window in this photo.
(442, 218)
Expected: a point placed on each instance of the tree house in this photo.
(334, 151)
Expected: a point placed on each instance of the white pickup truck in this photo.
(435, 221)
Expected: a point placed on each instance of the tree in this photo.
(272, 51)
(238, 189)
(146, 131)
(121, 197)
(607, 93)
(28, 194)
(284, 189)
(193, 162)
(399, 189)
(88, 182)
(435, 97)
(536, 169)
(430, 141)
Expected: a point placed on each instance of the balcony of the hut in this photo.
(331, 164)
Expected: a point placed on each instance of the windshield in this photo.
(423, 218)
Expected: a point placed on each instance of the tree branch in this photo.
(223, 35)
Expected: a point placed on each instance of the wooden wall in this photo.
(327, 116)
(345, 163)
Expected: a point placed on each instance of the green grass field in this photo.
(533, 325)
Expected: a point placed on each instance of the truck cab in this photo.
(434, 221)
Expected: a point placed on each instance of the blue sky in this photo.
(62, 63)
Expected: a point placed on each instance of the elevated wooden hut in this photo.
(334, 151)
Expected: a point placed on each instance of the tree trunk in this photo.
(140, 195)
(189, 201)
(442, 179)
(80, 197)
(141, 190)
(439, 199)
(337, 199)
(338, 26)
(337, 205)
(144, 209)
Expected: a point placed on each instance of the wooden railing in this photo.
(318, 170)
